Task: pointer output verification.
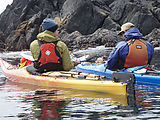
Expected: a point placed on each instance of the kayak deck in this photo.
(22, 76)
(99, 69)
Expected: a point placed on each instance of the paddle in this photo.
(28, 57)
(143, 69)
(154, 72)
(84, 58)
(137, 68)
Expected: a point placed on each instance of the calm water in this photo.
(22, 102)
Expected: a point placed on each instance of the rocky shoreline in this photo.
(90, 23)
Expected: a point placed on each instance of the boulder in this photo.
(154, 37)
(111, 25)
(100, 37)
(2, 41)
(156, 12)
(89, 22)
(136, 12)
(25, 33)
(10, 18)
(84, 16)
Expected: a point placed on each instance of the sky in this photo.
(3, 4)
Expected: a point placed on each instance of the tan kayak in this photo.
(63, 79)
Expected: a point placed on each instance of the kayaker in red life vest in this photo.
(49, 53)
(134, 51)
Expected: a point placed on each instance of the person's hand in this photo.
(104, 58)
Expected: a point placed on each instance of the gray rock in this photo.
(154, 37)
(100, 37)
(111, 25)
(85, 17)
(136, 12)
(156, 11)
(91, 22)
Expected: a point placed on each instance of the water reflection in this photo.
(46, 105)
(147, 99)
(74, 104)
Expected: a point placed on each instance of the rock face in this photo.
(90, 22)
(154, 37)
(100, 37)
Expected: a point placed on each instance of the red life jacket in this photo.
(24, 62)
(50, 110)
(49, 54)
(137, 55)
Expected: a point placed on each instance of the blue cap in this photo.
(48, 23)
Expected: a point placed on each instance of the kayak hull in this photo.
(22, 76)
(98, 69)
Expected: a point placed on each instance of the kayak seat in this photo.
(33, 70)
(123, 77)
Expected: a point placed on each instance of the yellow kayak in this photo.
(62, 79)
(68, 93)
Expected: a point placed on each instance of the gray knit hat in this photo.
(48, 24)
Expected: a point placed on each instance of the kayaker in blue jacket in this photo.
(134, 51)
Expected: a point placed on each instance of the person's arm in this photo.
(64, 53)
(35, 50)
(114, 55)
(112, 59)
(150, 50)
